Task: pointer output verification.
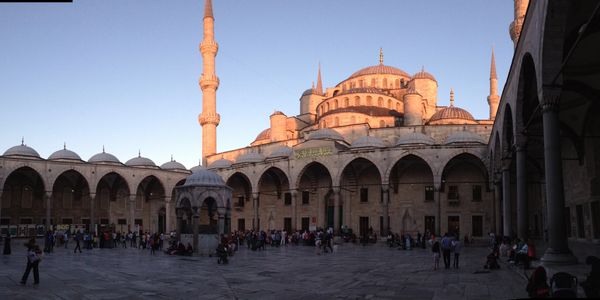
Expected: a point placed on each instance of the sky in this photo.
(123, 74)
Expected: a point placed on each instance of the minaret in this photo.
(319, 89)
(493, 99)
(517, 24)
(209, 83)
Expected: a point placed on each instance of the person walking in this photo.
(456, 247)
(446, 248)
(66, 239)
(77, 238)
(34, 255)
(435, 248)
(7, 249)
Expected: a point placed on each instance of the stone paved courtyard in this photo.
(293, 272)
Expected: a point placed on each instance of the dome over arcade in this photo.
(64, 154)
(464, 137)
(203, 177)
(140, 161)
(451, 113)
(326, 134)
(263, 135)
(368, 142)
(415, 138)
(22, 150)
(283, 151)
(220, 163)
(104, 157)
(250, 157)
(173, 165)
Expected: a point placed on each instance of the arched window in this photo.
(401, 82)
(335, 104)
(381, 123)
(373, 82)
(385, 86)
(357, 101)
(397, 106)
(336, 121)
(380, 102)
(346, 102)
(327, 107)
(397, 83)
(361, 83)
(389, 103)
(369, 101)
(343, 87)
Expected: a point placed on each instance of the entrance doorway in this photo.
(162, 224)
(363, 226)
(454, 225)
(430, 224)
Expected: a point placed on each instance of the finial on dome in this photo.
(451, 97)
(381, 56)
(102, 148)
(171, 157)
(65, 145)
(313, 86)
(22, 141)
(139, 153)
(208, 11)
(422, 68)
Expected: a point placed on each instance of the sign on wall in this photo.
(313, 152)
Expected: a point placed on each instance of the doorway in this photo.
(454, 225)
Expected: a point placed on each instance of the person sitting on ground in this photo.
(189, 250)
(591, 286)
(537, 286)
(492, 261)
(504, 248)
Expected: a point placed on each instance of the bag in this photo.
(34, 256)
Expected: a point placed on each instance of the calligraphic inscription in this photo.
(313, 152)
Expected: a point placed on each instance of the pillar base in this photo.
(558, 257)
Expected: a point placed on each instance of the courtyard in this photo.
(292, 272)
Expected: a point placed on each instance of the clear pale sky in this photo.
(124, 73)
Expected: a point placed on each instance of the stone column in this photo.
(178, 226)
(195, 219)
(294, 210)
(558, 246)
(48, 199)
(336, 210)
(385, 190)
(168, 214)
(221, 224)
(522, 215)
(92, 212)
(437, 198)
(497, 206)
(506, 205)
(255, 223)
(131, 215)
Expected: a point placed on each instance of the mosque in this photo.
(373, 153)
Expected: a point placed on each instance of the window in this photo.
(335, 104)
(380, 102)
(364, 195)
(287, 199)
(397, 83)
(363, 226)
(357, 101)
(595, 208)
(580, 228)
(477, 193)
(104, 221)
(240, 202)
(369, 101)
(287, 224)
(373, 82)
(139, 222)
(430, 224)
(429, 196)
(122, 221)
(346, 102)
(385, 85)
(4, 221)
(26, 221)
(241, 225)
(477, 226)
(453, 192)
(85, 221)
(305, 197)
(305, 223)
(567, 217)
(389, 103)
(67, 221)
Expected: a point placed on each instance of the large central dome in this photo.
(379, 69)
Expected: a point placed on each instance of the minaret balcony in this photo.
(209, 81)
(209, 46)
(209, 118)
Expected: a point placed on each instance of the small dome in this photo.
(104, 157)
(379, 69)
(464, 137)
(197, 168)
(64, 154)
(326, 134)
(423, 75)
(309, 92)
(282, 151)
(368, 142)
(264, 135)
(412, 91)
(140, 161)
(451, 112)
(173, 165)
(363, 90)
(275, 113)
(415, 138)
(21, 150)
(220, 163)
(203, 177)
(250, 157)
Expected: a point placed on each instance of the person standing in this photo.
(34, 255)
(457, 247)
(66, 239)
(7, 249)
(435, 248)
(446, 248)
(77, 238)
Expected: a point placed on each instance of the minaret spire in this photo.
(319, 89)
(209, 83)
(493, 99)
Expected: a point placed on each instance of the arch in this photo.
(310, 168)
(241, 186)
(470, 160)
(389, 103)
(380, 101)
(507, 130)
(357, 101)
(346, 102)
(422, 157)
(327, 107)
(420, 171)
(369, 101)
(23, 195)
(276, 176)
(39, 169)
(335, 104)
(71, 196)
(385, 83)
(361, 159)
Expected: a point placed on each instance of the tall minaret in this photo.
(517, 24)
(319, 89)
(493, 99)
(209, 82)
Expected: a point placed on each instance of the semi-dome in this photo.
(415, 138)
(379, 69)
(220, 163)
(104, 157)
(451, 112)
(140, 161)
(22, 150)
(64, 154)
(368, 142)
(283, 151)
(250, 157)
(363, 90)
(423, 75)
(203, 177)
(173, 165)
(465, 137)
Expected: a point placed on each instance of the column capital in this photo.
(550, 97)
(336, 189)
(254, 196)
(131, 198)
(385, 188)
(520, 142)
